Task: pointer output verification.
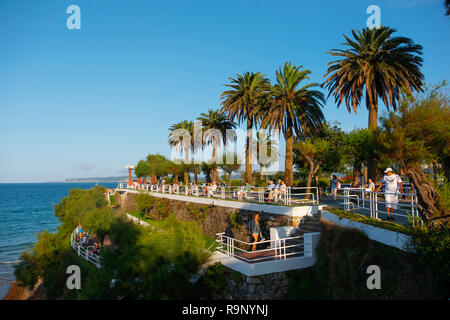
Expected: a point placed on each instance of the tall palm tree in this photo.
(266, 148)
(293, 109)
(377, 65)
(214, 119)
(241, 101)
(180, 142)
(185, 143)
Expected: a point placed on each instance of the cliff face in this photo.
(212, 219)
(17, 292)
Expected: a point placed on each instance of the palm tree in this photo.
(180, 138)
(214, 123)
(184, 141)
(292, 109)
(241, 101)
(377, 65)
(230, 167)
(447, 7)
(267, 149)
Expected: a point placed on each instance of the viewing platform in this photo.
(294, 202)
(85, 250)
(289, 248)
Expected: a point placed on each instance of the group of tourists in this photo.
(83, 239)
(392, 185)
(275, 192)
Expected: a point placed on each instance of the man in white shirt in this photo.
(391, 182)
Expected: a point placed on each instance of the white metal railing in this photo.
(359, 198)
(285, 196)
(85, 252)
(278, 249)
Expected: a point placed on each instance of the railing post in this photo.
(222, 192)
(376, 205)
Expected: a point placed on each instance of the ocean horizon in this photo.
(26, 209)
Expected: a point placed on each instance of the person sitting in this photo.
(194, 189)
(276, 190)
(270, 190)
(283, 190)
(79, 231)
(248, 187)
(84, 239)
(96, 249)
(240, 192)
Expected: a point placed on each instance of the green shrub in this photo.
(343, 255)
(371, 221)
(154, 262)
(432, 245)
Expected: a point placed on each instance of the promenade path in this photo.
(339, 204)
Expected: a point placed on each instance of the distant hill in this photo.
(98, 179)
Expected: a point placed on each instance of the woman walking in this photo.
(255, 229)
(334, 182)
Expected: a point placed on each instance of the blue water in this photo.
(25, 210)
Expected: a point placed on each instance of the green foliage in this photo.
(357, 73)
(154, 262)
(112, 200)
(199, 214)
(27, 271)
(360, 145)
(322, 152)
(371, 221)
(234, 166)
(419, 132)
(432, 245)
(343, 255)
(234, 219)
(144, 202)
(444, 194)
(213, 282)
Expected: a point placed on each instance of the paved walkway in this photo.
(339, 203)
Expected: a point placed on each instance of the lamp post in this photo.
(130, 169)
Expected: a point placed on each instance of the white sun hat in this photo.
(387, 170)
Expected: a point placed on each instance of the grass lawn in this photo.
(371, 221)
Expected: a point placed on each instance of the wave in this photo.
(11, 262)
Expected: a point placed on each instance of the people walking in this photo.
(334, 186)
(255, 229)
(392, 182)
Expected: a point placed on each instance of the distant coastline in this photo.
(98, 179)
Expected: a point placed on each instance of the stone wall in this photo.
(212, 219)
(272, 286)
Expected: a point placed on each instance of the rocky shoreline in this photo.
(17, 292)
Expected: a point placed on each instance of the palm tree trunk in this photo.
(365, 172)
(248, 163)
(356, 174)
(428, 198)
(373, 124)
(213, 168)
(289, 161)
(261, 173)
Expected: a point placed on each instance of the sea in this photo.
(26, 209)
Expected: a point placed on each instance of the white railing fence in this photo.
(285, 196)
(279, 249)
(85, 252)
(359, 198)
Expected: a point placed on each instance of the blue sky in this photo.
(83, 103)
